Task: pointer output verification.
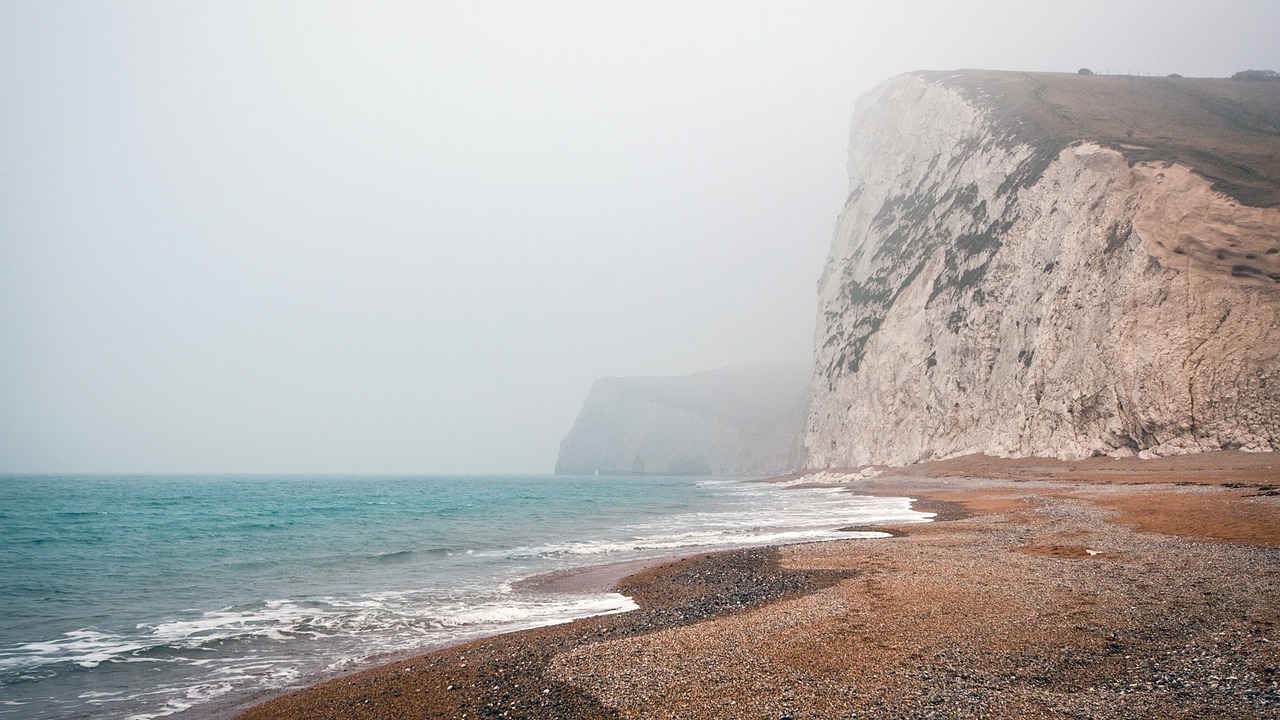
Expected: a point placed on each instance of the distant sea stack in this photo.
(742, 420)
(1052, 265)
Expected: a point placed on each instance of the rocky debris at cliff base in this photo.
(830, 477)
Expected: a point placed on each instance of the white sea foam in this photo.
(86, 648)
(401, 618)
(546, 612)
(770, 517)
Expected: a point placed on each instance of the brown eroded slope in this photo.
(1205, 154)
(1186, 225)
(1226, 130)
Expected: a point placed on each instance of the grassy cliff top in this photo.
(1226, 130)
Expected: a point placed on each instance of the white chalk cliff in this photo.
(1021, 268)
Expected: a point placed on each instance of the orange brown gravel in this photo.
(1053, 598)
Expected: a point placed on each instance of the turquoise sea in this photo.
(148, 596)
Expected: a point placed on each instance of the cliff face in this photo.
(1036, 265)
(744, 420)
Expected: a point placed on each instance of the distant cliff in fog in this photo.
(741, 420)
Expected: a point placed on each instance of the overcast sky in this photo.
(406, 237)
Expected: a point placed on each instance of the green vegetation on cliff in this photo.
(1226, 130)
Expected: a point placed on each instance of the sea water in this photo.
(140, 597)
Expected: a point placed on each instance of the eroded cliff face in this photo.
(741, 420)
(996, 288)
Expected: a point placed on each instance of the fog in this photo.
(406, 237)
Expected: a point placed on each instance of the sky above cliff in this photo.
(406, 237)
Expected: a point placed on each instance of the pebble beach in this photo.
(1095, 589)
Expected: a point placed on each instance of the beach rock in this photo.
(1051, 265)
(742, 420)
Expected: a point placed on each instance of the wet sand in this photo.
(592, 578)
(1102, 588)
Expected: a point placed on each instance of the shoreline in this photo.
(593, 578)
(597, 579)
(584, 580)
(824, 629)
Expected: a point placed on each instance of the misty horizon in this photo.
(394, 239)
